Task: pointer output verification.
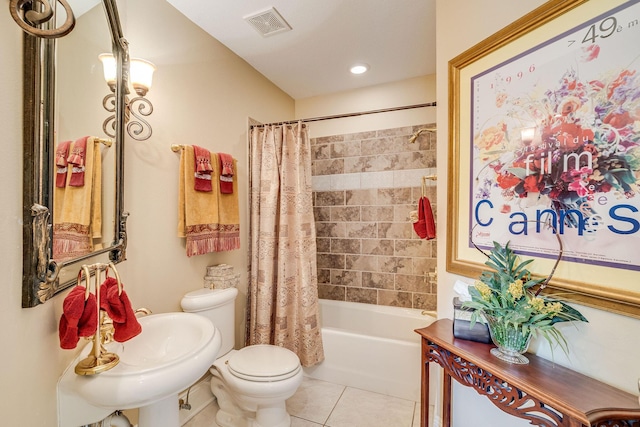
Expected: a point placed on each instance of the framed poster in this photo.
(545, 143)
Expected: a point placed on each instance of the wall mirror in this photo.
(64, 90)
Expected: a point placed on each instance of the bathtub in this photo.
(371, 347)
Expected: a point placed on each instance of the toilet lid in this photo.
(264, 363)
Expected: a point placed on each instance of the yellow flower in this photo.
(537, 304)
(516, 289)
(553, 308)
(484, 289)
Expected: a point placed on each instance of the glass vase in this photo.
(511, 341)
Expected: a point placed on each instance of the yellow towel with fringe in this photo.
(77, 211)
(210, 221)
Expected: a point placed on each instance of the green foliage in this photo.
(507, 292)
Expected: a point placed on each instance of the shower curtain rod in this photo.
(341, 116)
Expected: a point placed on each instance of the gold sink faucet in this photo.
(142, 311)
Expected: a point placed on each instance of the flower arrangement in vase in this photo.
(509, 299)
(593, 120)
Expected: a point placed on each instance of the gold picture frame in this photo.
(592, 284)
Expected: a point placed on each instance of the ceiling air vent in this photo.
(268, 22)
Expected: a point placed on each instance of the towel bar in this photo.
(106, 142)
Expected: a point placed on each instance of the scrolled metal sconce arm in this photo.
(138, 107)
(109, 125)
(139, 129)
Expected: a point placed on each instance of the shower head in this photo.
(418, 132)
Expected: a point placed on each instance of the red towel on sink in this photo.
(118, 307)
(79, 317)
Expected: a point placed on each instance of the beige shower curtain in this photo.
(283, 288)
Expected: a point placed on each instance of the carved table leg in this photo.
(446, 399)
(424, 398)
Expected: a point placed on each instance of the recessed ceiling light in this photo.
(359, 69)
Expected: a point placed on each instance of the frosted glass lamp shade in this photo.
(109, 68)
(141, 75)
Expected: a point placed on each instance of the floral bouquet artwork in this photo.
(509, 299)
(561, 147)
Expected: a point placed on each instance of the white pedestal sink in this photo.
(173, 351)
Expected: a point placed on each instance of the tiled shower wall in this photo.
(365, 184)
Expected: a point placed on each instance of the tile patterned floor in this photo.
(319, 403)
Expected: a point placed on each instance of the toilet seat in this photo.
(263, 363)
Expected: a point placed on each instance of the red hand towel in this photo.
(79, 318)
(89, 321)
(425, 227)
(61, 162)
(118, 307)
(203, 169)
(76, 158)
(128, 329)
(226, 173)
(110, 300)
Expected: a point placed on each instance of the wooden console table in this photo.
(543, 393)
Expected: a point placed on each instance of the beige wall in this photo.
(607, 348)
(31, 361)
(414, 91)
(202, 94)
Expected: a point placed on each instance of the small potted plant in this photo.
(509, 299)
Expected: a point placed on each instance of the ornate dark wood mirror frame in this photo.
(40, 279)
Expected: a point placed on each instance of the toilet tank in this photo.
(217, 305)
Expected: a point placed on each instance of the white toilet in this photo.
(251, 384)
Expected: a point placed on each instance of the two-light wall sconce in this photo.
(141, 78)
